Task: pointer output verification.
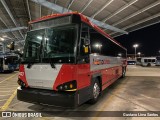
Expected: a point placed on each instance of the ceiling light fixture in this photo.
(2, 39)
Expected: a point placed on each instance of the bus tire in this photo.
(149, 64)
(95, 91)
(123, 72)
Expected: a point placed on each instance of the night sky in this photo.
(148, 39)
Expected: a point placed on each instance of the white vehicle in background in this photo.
(158, 61)
(9, 62)
(131, 62)
(148, 61)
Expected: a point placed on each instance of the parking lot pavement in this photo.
(133, 70)
(133, 93)
(8, 87)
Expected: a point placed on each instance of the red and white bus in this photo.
(68, 61)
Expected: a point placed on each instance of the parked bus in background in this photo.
(158, 61)
(148, 61)
(68, 61)
(9, 62)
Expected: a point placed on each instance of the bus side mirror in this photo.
(11, 46)
(86, 44)
(86, 49)
(86, 41)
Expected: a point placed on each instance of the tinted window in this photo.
(104, 46)
(60, 44)
(158, 58)
(149, 60)
(153, 60)
(34, 44)
(145, 60)
(56, 44)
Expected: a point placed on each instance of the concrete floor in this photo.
(138, 91)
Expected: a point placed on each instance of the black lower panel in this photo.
(84, 95)
(49, 97)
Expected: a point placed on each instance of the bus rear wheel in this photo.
(149, 64)
(95, 92)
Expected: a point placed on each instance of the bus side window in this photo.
(153, 60)
(145, 60)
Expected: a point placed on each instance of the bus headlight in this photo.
(21, 83)
(68, 86)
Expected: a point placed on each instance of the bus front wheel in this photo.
(95, 92)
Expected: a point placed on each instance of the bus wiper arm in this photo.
(53, 65)
(29, 65)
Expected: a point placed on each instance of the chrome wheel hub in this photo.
(96, 90)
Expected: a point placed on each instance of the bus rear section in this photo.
(68, 62)
(158, 61)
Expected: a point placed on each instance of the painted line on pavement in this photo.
(9, 86)
(5, 95)
(5, 106)
(8, 78)
(6, 88)
(3, 100)
(6, 91)
(15, 104)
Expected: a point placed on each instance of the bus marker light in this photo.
(71, 86)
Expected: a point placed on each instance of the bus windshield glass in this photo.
(56, 44)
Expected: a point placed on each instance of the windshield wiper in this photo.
(28, 62)
(29, 65)
(49, 60)
(53, 65)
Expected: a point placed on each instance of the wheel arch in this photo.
(97, 76)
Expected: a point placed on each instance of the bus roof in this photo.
(83, 18)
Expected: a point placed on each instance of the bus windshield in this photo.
(56, 44)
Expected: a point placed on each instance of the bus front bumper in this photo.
(48, 97)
